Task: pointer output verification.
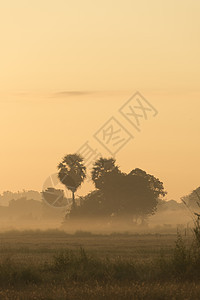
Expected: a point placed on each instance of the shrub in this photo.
(15, 274)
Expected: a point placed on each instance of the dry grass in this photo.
(150, 291)
(51, 265)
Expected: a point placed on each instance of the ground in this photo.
(31, 251)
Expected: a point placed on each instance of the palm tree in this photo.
(101, 169)
(72, 173)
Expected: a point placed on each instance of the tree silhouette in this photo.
(152, 182)
(141, 193)
(134, 195)
(72, 173)
(102, 168)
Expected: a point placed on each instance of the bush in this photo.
(80, 266)
(15, 274)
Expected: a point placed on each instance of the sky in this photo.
(67, 67)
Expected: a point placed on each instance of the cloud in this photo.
(72, 93)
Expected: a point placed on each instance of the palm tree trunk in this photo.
(73, 199)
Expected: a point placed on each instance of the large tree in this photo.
(141, 193)
(72, 172)
(134, 195)
(152, 182)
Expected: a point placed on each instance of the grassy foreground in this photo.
(113, 291)
(124, 267)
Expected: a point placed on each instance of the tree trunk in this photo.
(73, 199)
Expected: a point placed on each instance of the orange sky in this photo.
(104, 52)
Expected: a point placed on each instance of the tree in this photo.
(127, 195)
(153, 183)
(92, 206)
(72, 173)
(103, 167)
(141, 193)
(193, 199)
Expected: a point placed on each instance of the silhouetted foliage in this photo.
(120, 195)
(193, 199)
(93, 205)
(72, 172)
(141, 192)
(103, 167)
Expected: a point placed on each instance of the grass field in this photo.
(56, 265)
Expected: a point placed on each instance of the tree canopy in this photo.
(133, 195)
(72, 172)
